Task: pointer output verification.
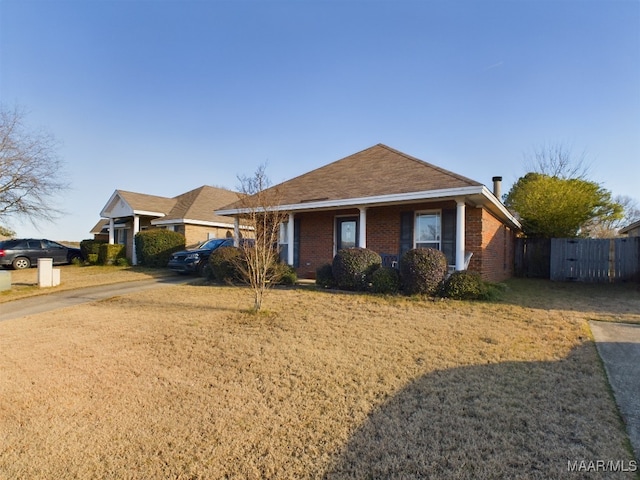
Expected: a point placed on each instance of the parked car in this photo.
(197, 260)
(24, 253)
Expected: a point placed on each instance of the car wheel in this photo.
(20, 263)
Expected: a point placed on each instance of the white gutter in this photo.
(177, 221)
(396, 198)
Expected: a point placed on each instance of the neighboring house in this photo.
(191, 214)
(390, 202)
(632, 230)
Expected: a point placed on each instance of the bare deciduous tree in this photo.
(608, 228)
(259, 204)
(30, 169)
(557, 160)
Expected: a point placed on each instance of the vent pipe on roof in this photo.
(497, 187)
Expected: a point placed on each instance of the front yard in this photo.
(181, 382)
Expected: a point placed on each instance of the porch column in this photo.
(460, 237)
(136, 229)
(112, 233)
(362, 240)
(290, 234)
(236, 231)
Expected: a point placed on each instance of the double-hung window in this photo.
(428, 230)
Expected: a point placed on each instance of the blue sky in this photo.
(161, 97)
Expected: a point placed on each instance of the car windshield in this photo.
(211, 244)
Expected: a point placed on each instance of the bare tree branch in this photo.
(260, 202)
(557, 160)
(30, 170)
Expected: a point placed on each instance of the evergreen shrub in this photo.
(422, 270)
(155, 246)
(385, 280)
(109, 254)
(324, 276)
(352, 266)
(224, 264)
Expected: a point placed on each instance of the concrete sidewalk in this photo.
(53, 301)
(619, 347)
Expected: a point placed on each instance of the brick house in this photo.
(390, 202)
(191, 214)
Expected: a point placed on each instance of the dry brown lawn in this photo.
(25, 282)
(182, 382)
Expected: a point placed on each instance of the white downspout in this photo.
(460, 233)
(290, 234)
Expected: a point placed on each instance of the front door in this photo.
(347, 232)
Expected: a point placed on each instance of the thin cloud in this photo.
(495, 65)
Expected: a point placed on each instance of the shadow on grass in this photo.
(601, 298)
(506, 420)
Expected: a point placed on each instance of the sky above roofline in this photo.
(161, 97)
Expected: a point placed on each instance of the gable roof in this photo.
(133, 202)
(379, 175)
(377, 171)
(198, 205)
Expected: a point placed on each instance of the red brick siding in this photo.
(491, 242)
(497, 249)
(317, 232)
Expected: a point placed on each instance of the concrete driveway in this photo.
(68, 298)
(619, 347)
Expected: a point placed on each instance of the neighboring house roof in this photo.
(194, 207)
(128, 203)
(99, 227)
(197, 206)
(376, 176)
(628, 228)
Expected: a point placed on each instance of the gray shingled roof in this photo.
(378, 170)
(147, 203)
(199, 204)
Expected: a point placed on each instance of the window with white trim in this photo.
(283, 241)
(428, 230)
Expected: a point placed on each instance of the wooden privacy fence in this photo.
(582, 260)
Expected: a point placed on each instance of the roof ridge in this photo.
(429, 164)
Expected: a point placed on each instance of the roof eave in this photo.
(482, 193)
(206, 223)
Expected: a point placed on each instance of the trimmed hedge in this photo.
(285, 274)
(324, 276)
(109, 254)
(385, 280)
(352, 266)
(90, 247)
(422, 270)
(155, 246)
(464, 285)
(223, 262)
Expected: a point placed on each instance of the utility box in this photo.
(5, 280)
(45, 273)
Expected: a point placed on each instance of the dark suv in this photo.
(26, 252)
(197, 260)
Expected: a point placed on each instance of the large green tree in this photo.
(550, 206)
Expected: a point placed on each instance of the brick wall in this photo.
(498, 243)
(317, 232)
(196, 234)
